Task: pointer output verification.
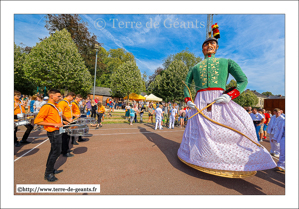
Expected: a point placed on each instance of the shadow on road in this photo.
(59, 162)
(26, 150)
(272, 176)
(169, 149)
(80, 150)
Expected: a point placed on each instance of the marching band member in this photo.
(66, 107)
(50, 116)
(20, 109)
(76, 114)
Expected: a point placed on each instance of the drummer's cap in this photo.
(46, 98)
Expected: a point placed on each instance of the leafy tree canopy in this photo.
(126, 79)
(169, 85)
(247, 98)
(80, 35)
(187, 57)
(56, 63)
(22, 83)
(267, 93)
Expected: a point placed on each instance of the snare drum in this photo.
(86, 121)
(77, 130)
(21, 123)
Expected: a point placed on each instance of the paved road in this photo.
(135, 160)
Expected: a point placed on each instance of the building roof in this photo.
(276, 97)
(259, 95)
(101, 91)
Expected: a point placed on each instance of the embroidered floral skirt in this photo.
(209, 145)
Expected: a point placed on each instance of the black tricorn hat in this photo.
(210, 39)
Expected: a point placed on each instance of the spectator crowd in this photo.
(160, 114)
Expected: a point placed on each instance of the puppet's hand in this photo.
(224, 98)
(191, 105)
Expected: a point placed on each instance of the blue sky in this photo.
(255, 42)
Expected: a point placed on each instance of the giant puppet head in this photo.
(210, 45)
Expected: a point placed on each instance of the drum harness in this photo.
(61, 130)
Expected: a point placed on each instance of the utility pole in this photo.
(209, 24)
(95, 70)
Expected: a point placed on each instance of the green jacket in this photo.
(213, 72)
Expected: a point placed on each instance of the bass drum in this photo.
(86, 121)
(77, 130)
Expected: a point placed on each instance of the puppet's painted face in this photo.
(210, 47)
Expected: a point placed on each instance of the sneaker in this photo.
(265, 137)
(279, 169)
(261, 140)
(24, 142)
(50, 178)
(17, 144)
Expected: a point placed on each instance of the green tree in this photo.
(22, 83)
(144, 80)
(187, 57)
(267, 93)
(112, 60)
(80, 35)
(56, 63)
(169, 85)
(157, 72)
(126, 79)
(247, 98)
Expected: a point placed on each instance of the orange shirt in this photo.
(75, 108)
(48, 114)
(65, 108)
(17, 110)
(101, 110)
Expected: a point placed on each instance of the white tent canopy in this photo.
(152, 97)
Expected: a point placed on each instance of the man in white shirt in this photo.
(279, 136)
(274, 128)
(158, 112)
(258, 120)
(173, 114)
(38, 103)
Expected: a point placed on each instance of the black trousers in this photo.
(26, 134)
(74, 139)
(100, 115)
(56, 141)
(65, 143)
(135, 118)
(93, 114)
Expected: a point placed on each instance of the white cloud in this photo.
(149, 65)
(258, 47)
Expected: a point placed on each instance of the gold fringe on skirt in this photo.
(222, 173)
